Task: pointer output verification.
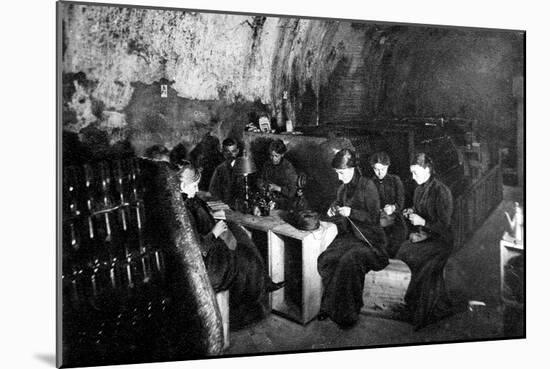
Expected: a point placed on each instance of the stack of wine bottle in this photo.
(114, 288)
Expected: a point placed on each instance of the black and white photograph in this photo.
(274, 185)
(240, 184)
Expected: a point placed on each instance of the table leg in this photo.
(311, 280)
(276, 265)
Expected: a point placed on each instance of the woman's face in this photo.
(275, 157)
(190, 189)
(380, 170)
(345, 175)
(420, 174)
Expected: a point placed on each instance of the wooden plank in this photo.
(254, 222)
(276, 266)
(311, 280)
(222, 298)
(288, 230)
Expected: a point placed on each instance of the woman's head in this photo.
(178, 155)
(277, 150)
(189, 178)
(380, 162)
(422, 168)
(344, 164)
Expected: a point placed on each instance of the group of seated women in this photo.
(373, 226)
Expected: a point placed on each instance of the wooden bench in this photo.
(386, 288)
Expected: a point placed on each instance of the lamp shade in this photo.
(244, 165)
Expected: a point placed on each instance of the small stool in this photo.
(222, 298)
(386, 288)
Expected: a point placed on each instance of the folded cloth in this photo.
(229, 239)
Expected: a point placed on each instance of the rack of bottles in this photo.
(113, 278)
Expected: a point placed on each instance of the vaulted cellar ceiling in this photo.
(223, 70)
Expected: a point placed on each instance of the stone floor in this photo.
(479, 263)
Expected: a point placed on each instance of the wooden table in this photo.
(313, 243)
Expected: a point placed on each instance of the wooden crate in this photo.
(386, 288)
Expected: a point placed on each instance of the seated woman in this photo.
(279, 176)
(429, 246)
(358, 248)
(392, 198)
(230, 257)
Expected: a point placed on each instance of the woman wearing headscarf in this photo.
(359, 246)
(231, 258)
(429, 246)
(392, 198)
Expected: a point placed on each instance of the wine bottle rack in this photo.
(115, 293)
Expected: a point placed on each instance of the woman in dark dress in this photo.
(279, 176)
(392, 198)
(358, 248)
(231, 258)
(429, 247)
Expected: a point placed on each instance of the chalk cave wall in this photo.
(223, 71)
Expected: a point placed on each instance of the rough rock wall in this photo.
(217, 68)
(222, 71)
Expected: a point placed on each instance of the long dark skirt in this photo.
(243, 272)
(342, 267)
(248, 298)
(427, 299)
(396, 234)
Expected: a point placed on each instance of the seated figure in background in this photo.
(178, 155)
(392, 199)
(429, 247)
(230, 256)
(359, 247)
(206, 157)
(224, 184)
(158, 153)
(279, 176)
